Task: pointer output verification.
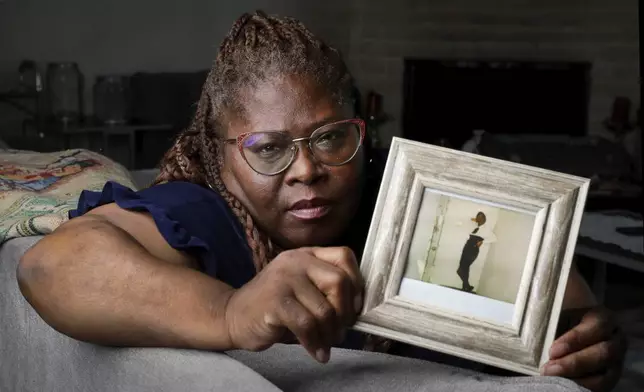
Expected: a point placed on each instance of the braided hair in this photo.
(257, 48)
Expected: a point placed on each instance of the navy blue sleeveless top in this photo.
(197, 220)
(191, 218)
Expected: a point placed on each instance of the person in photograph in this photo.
(252, 233)
(481, 235)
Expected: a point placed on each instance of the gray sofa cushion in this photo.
(144, 178)
(34, 357)
(291, 369)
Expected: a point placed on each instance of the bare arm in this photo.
(110, 278)
(578, 300)
(578, 294)
(589, 349)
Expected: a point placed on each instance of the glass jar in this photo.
(64, 83)
(110, 99)
(30, 80)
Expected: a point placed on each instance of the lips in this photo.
(310, 209)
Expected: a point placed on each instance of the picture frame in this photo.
(429, 310)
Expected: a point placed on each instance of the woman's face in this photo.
(309, 203)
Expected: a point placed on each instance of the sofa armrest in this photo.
(34, 357)
(290, 368)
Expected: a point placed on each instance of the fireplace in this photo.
(448, 99)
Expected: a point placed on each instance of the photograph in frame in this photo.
(469, 255)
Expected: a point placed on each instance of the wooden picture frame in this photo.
(554, 201)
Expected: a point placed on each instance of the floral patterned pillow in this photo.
(37, 190)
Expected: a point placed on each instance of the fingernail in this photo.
(558, 350)
(552, 370)
(357, 303)
(322, 355)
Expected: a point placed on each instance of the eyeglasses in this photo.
(271, 153)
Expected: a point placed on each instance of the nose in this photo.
(305, 168)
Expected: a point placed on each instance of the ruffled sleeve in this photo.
(190, 218)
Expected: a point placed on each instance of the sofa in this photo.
(35, 357)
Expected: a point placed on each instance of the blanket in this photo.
(37, 190)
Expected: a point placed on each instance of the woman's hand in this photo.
(311, 293)
(591, 353)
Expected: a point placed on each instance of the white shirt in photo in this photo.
(484, 232)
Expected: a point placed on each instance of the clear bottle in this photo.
(110, 99)
(64, 84)
(30, 81)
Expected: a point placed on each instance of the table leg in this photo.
(106, 142)
(132, 139)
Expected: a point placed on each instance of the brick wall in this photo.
(604, 32)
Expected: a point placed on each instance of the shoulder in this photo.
(190, 217)
(180, 193)
(173, 205)
(488, 229)
(195, 205)
(181, 200)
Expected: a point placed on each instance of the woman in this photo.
(272, 168)
(471, 249)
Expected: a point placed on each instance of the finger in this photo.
(593, 359)
(337, 287)
(594, 327)
(319, 306)
(344, 258)
(303, 325)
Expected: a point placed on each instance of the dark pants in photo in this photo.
(470, 253)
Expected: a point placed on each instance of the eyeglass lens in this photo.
(271, 152)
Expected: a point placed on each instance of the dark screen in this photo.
(449, 99)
